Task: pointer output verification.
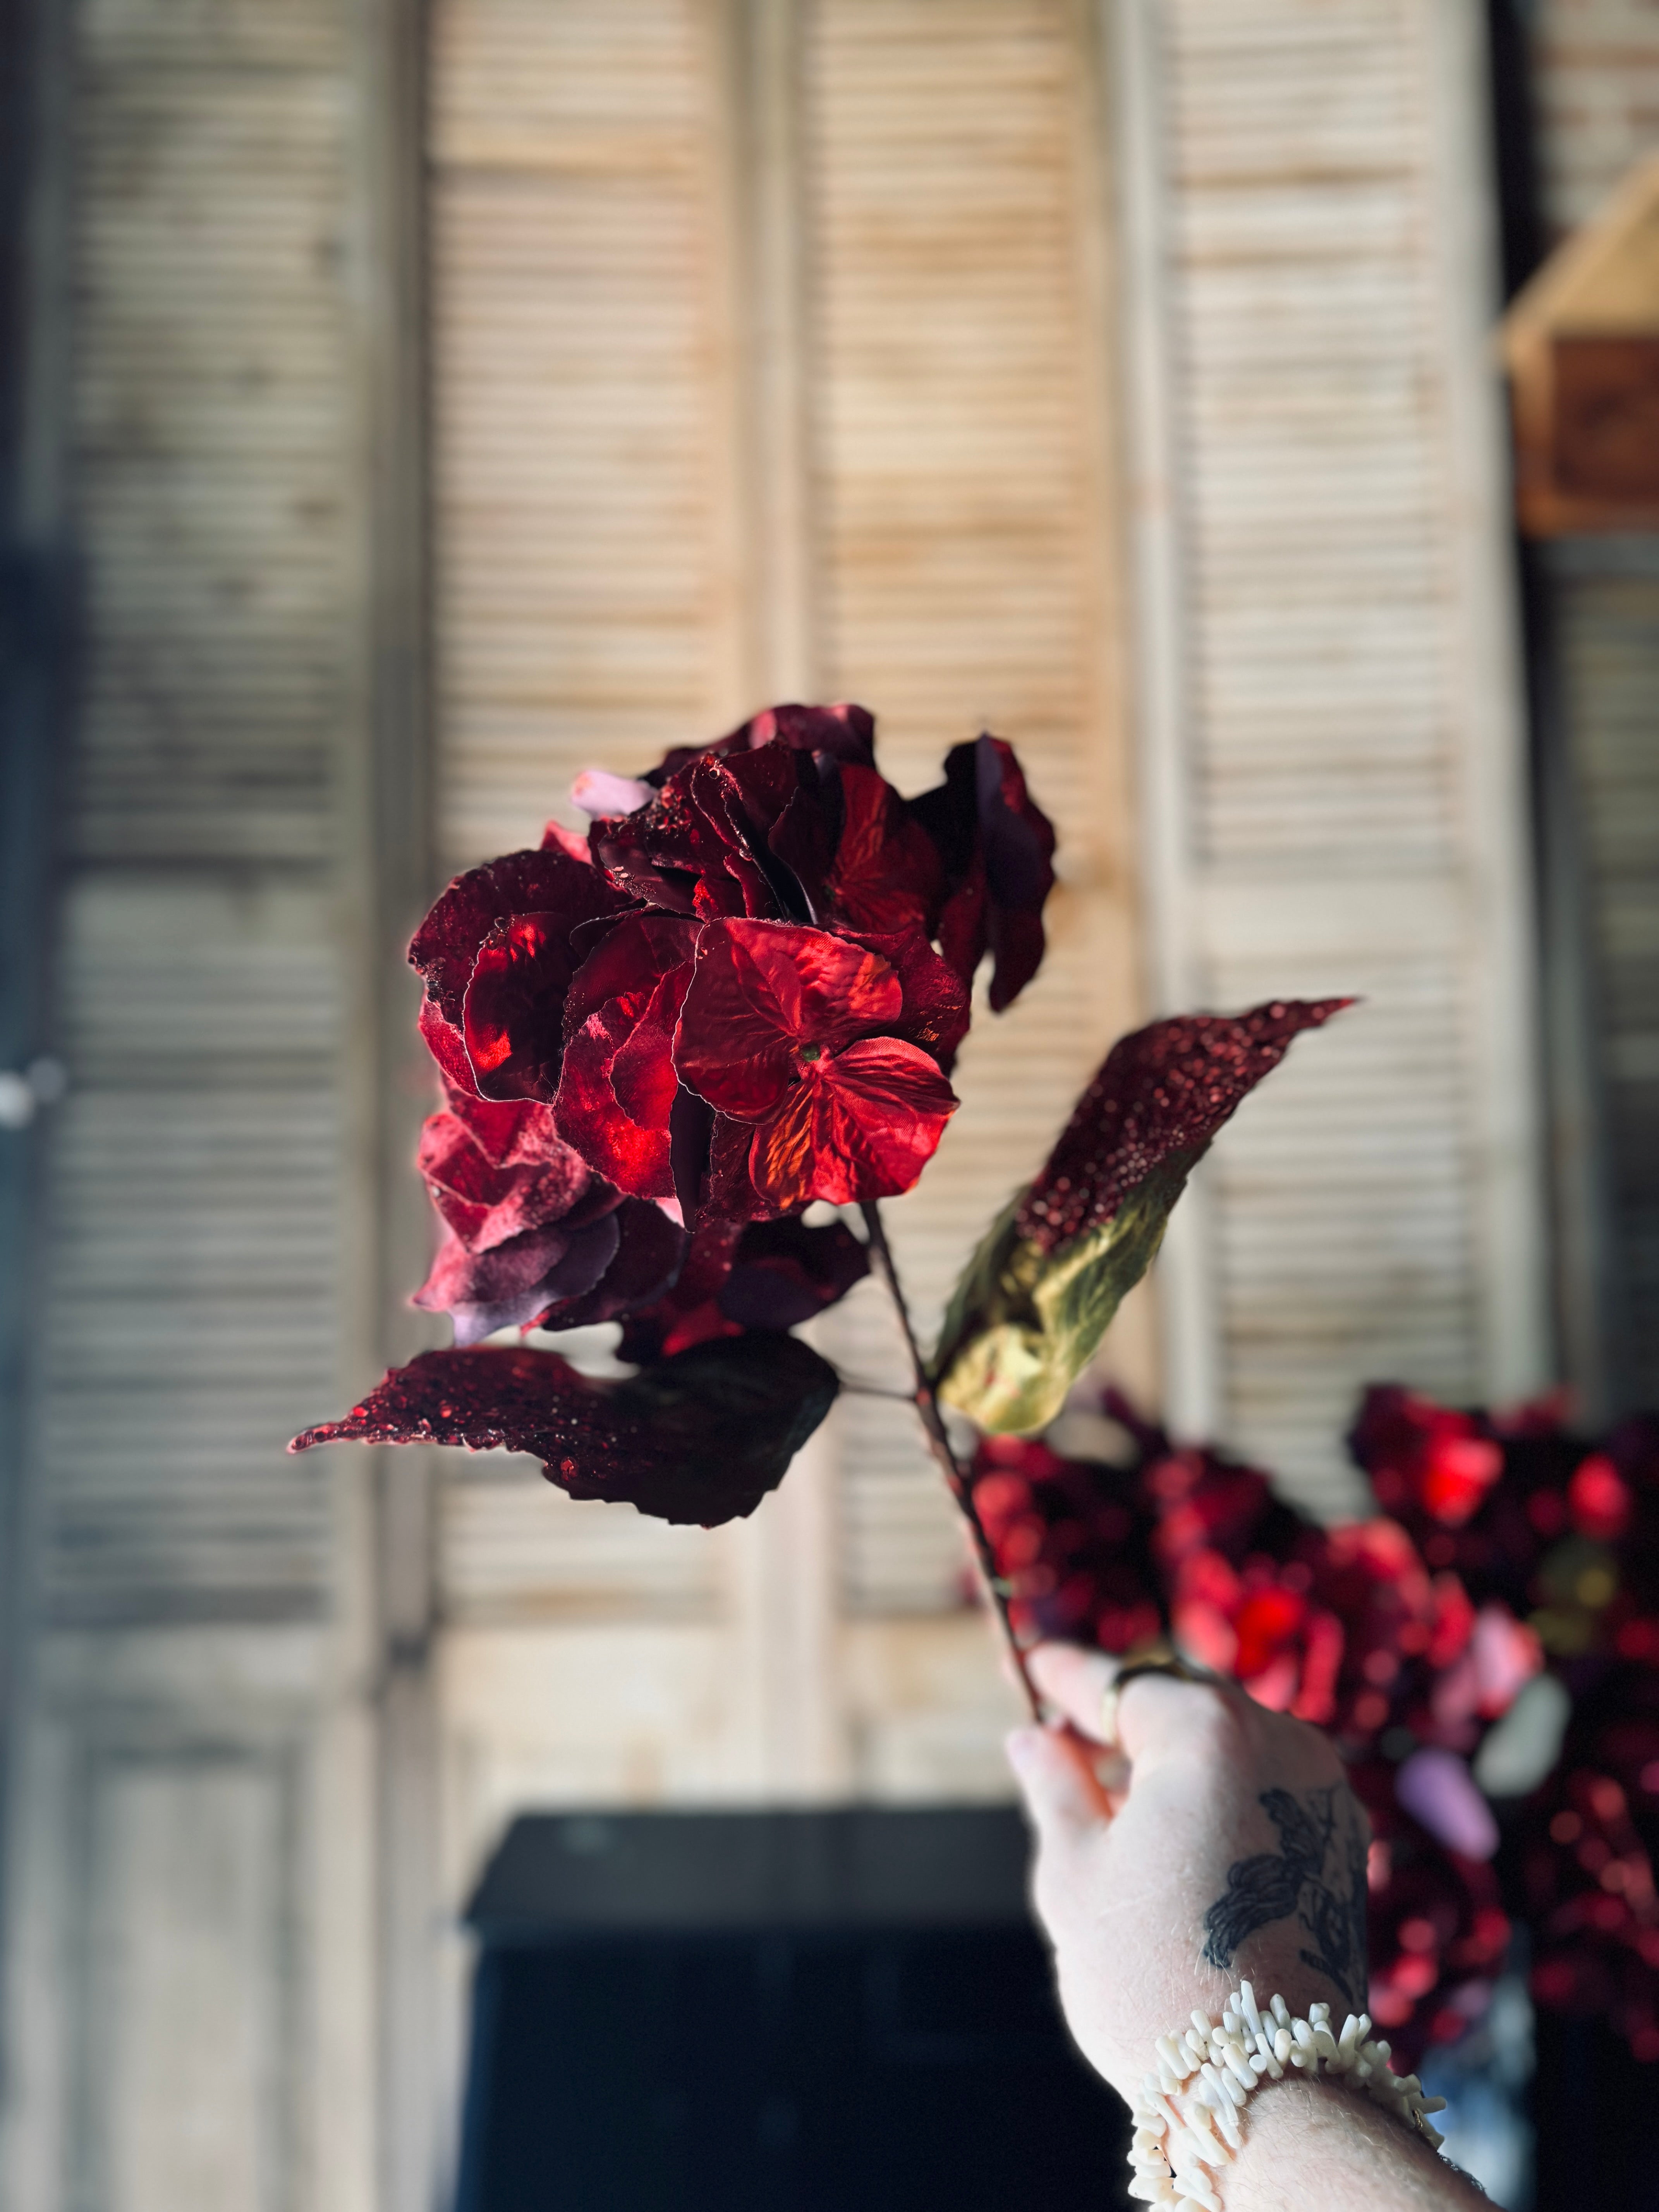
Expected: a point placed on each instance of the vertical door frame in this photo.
(387, 1544)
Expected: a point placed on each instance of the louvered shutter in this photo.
(585, 615)
(678, 253)
(964, 558)
(1331, 737)
(190, 1892)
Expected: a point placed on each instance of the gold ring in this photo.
(1161, 1659)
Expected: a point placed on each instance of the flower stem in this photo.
(938, 1443)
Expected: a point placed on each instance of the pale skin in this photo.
(1213, 1830)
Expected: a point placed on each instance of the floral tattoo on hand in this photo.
(1317, 1876)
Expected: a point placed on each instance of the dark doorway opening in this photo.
(791, 2012)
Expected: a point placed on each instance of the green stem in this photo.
(938, 1443)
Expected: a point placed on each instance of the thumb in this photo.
(1057, 1781)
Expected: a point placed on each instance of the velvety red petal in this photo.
(844, 732)
(512, 1014)
(650, 1252)
(508, 1285)
(510, 1132)
(1165, 1088)
(445, 946)
(887, 874)
(784, 1272)
(729, 1192)
(863, 1126)
(687, 1313)
(964, 924)
(618, 1086)
(759, 990)
(699, 1439)
(556, 837)
(444, 1041)
(688, 851)
(937, 1007)
(484, 1203)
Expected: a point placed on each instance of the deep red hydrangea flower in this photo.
(793, 1032)
(1070, 1541)
(996, 850)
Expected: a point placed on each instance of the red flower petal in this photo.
(997, 847)
(509, 1132)
(508, 1285)
(862, 1124)
(650, 1252)
(618, 1088)
(485, 1204)
(699, 1439)
(444, 948)
(887, 874)
(1165, 1088)
(844, 732)
(937, 1009)
(759, 993)
(512, 1015)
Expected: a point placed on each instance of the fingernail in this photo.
(1020, 1744)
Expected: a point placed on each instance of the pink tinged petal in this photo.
(485, 1204)
(597, 791)
(444, 1041)
(862, 1125)
(556, 838)
(1436, 1789)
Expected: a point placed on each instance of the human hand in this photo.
(1216, 1840)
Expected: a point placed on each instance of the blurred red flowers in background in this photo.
(1485, 1652)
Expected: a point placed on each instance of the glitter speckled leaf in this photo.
(1039, 1294)
(700, 1438)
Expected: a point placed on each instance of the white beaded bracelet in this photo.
(1188, 2113)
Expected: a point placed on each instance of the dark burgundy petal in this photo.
(729, 1193)
(767, 998)
(996, 846)
(1163, 1089)
(556, 837)
(700, 1437)
(862, 1124)
(650, 1251)
(512, 1014)
(689, 850)
(444, 1041)
(688, 1313)
(1017, 840)
(887, 874)
(784, 1272)
(512, 1283)
(937, 1007)
(446, 945)
(843, 732)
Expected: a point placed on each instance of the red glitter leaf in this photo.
(700, 1437)
(1165, 1088)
